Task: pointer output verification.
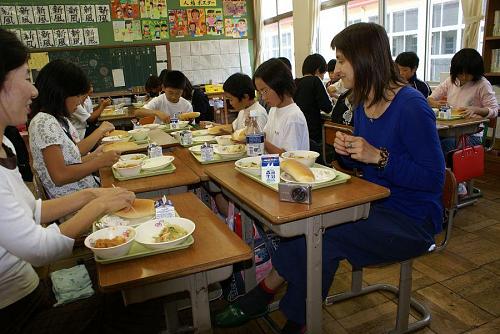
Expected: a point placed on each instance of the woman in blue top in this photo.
(396, 145)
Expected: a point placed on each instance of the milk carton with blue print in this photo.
(270, 168)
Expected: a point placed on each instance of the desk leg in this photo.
(199, 300)
(171, 316)
(248, 237)
(314, 301)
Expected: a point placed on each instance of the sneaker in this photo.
(462, 189)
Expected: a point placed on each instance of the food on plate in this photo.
(125, 164)
(251, 164)
(121, 146)
(106, 243)
(239, 135)
(119, 133)
(188, 115)
(133, 157)
(297, 170)
(229, 149)
(140, 208)
(170, 232)
(220, 129)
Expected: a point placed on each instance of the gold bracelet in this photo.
(384, 158)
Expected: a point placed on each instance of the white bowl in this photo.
(115, 139)
(249, 165)
(128, 168)
(305, 157)
(140, 133)
(157, 163)
(195, 149)
(133, 157)
(224, 140)
(138, 104)
(182, 124)
(109, 233)
(147, 232)
(230, 151)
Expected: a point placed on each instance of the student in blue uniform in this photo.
(408, 64)
(395, 144)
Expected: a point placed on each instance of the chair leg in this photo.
(472, 196)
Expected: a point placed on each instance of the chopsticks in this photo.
(132, 207)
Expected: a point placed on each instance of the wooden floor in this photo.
(460, 286)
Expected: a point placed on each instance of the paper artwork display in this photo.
(8, 15)
(193, 3)
(235, 7)
(45, 38)
(127, 31)
(57, 14)
(91, 36)
(25, 15)
(41, 14)
(153, 9)
(214, 21)
(236, 27)
(102, 13)
(72, 13)
(60, 38)
(87, 13)
(196, 22)
(178, 22)
(75, 37)
(125, 9)
(29, 38)
(155, 29)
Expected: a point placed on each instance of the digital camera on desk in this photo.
(297, 193)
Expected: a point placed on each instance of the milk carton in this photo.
(270, 168)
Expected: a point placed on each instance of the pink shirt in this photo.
(477, 94)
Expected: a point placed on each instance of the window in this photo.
(329, 26)
(362, 11)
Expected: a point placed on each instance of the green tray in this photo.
(140, 142)
(217, 158)
(340, 178)
(169, 169)
(166, 128)
(137, 250)
(453, 117)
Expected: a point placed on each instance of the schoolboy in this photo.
(153, 86)
(240, 92)
(408, 65)
(170, 103)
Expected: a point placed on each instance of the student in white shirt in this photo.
(286, 128)
(169, 103)
(240, 92)
(85, 113)
(23, 241)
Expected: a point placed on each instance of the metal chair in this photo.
(405, 301)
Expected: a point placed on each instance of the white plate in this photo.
(245, 164)
(197, 149)
(133, 157)
(225, 152)
(197, 133)
(157, 163)
(201, 139)
(321, 175)
(146, 232)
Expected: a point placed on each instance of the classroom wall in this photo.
(301, 33)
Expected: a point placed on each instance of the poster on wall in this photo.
(41, 14)
(75, 37)
(127, 31)
(45, 38)
(29, 38)
(8, 15)
(236, 27)
(87, 13)
(57, 14)
(91, 36)
(214, 21)
(193, 3)
(153, 9)
(124, 9)
(25, 15)
(196, 22)
(235, 7)
(72, 13)
(102, 13)
(155, 29)
(60, 38)
(178, 22)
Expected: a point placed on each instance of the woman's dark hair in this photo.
(277, 76)
(152, 83)
(162, 75)
(286, 61)
(188, 90)
(13, 54)
(174, 79)
(467, 61)
(57, 81)
(330, 67)
(313, 63)
(366, 46)
(407, 59)
(238, 85)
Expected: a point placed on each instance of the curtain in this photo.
(472, 19)
(259, 28)
(314, 10)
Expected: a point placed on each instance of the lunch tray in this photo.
(213, 141)
(339, 178)
(140, 142)
(453, 117)
(137, 250)
(217, 158)
(166, 128)
(144, 173)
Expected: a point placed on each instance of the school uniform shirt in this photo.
(45, 130)
(312, 98)
(23, 242)
(420, 85)
(164, 105)
(239, 122)
(80, 116)
(286, 128)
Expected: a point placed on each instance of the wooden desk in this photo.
(207, 261)
(122, 120)
(330, 206)
(458, 127)
(199, 169)
(180, 179)
(118, 93)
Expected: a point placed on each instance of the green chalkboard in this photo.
(137, 62)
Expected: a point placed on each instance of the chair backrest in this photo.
(450, 200)
(329, 131)
(38, 185)
(492, 124)
(146, 120)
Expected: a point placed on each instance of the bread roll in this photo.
(188, 115)
(120, 146)
(300, 172)
(220, 129)
(118, 133)
(140, 208)
(239, 135)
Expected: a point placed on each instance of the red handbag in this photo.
(467, 162)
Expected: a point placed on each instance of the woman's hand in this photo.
(339, 143)
(105, 127)
(359, 149)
